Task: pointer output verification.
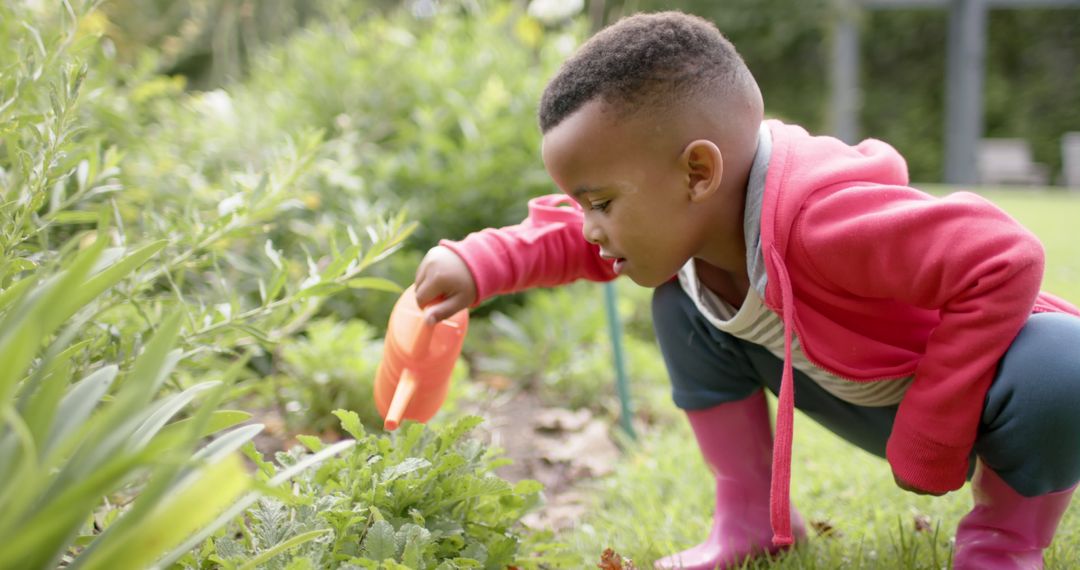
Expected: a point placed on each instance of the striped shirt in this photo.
(755, 322)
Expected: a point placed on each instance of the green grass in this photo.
(660, 499)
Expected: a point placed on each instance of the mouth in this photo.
(618, 264)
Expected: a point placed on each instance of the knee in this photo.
(1041, 372)
(1043, 365)
(1031, 407)
(1047, 341)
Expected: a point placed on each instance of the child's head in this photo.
(652, 126)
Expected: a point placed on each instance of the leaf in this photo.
(528, 487)
(404, 468)
(311, 442)
(501, 553)
(415, 538)
(175, 433)
(375, 283)
(43, 528)
(98, 283)
(197, 500)
(350, 422)
(282, 547)
(254, 332)
(475, 551)
(341, 261)
(265, 467)
(277, 284)
(227, 548)
(155, 362)
(381, 541)
(42, 311)
(455, 432)
(228, 442)
(162, 411)
(73, 217)
(15, 290)
(79, 402)
(320, 290)
(272, 254)
(611, 560)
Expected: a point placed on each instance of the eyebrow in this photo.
(582, 190)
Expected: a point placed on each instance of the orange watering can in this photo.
(414, 375)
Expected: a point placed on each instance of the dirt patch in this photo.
(560, 448)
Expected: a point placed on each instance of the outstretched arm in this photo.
(544, 250)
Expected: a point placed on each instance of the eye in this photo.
(600, 205)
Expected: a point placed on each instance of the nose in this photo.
(591, 231)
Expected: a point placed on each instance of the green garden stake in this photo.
(621, 382)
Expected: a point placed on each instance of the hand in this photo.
(444, 284)
(914, 489)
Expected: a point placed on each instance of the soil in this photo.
(562, 449)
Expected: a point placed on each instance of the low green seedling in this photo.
(417, 498)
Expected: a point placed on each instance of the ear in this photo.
(704, 167)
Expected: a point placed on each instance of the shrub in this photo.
(419, 498)
(99, 280)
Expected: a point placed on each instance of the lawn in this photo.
(659, 501)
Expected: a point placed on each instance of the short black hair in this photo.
(643, 60)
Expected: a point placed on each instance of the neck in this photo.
(725, 248)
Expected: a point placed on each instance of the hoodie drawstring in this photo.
(780, 490)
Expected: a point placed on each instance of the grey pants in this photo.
(1030, 428)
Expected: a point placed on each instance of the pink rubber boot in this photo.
(1006, 530)
(736, 441)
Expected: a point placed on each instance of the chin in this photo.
(650, 283)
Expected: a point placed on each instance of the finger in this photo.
(425, 291)
(442, 309)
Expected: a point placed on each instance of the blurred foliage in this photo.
(558, 344)
(211, 42)
(1030, 92)
(1031, 88)
(428, 112)
(436, 114)
(331, 366)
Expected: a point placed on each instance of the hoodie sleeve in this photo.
(544, 250)
(959, 255)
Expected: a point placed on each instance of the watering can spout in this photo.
(406, 387)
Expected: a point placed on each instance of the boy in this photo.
(910, 325)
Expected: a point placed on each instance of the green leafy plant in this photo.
(64, 446)
(114, 319)
(419, 498)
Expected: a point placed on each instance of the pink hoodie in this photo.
(878, 279)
